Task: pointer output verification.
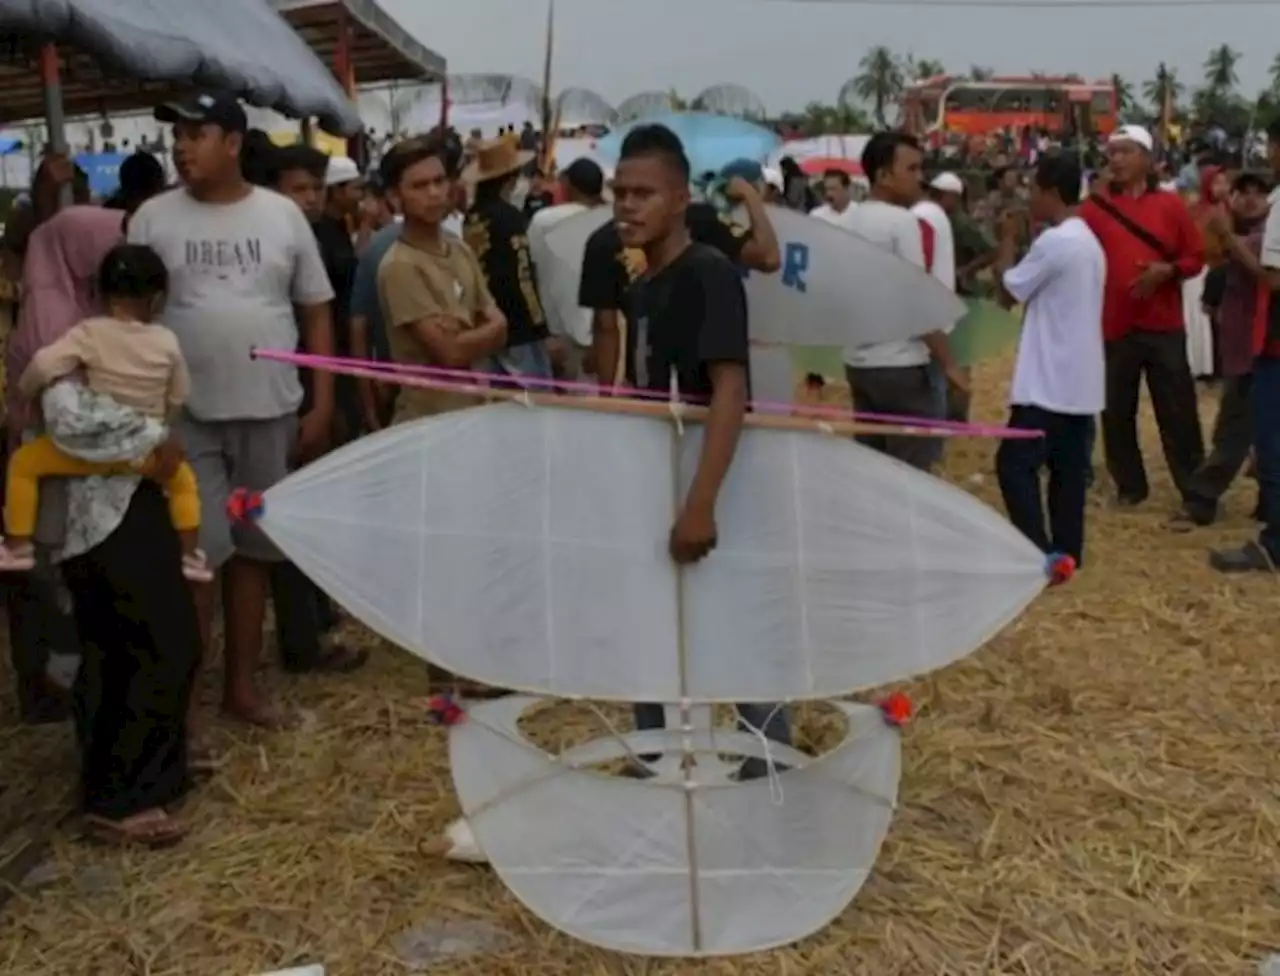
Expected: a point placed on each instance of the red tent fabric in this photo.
(820, 164)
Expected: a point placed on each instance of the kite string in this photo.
(402, 373)
(766, 744)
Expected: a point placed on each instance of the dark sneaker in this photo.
(1249, 558)
(1130, 501)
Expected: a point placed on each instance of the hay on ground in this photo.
(1095, 792)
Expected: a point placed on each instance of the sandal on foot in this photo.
(153, 829)
(17, 558)
(204, 761)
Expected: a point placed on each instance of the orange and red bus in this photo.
(944, 104)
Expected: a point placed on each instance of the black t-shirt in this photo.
(686, 316)
(609, 269)
(536, 202)
(498, 234)
(338, 252)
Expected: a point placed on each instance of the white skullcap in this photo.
(341, 170)
(947, 183)
(773, 178)
(1135, 134)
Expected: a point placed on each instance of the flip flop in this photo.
(204, 761)
(152, 829)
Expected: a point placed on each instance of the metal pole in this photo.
(55, 119)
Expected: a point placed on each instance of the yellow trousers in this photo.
(42, 458)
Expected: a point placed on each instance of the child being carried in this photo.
(137, 363)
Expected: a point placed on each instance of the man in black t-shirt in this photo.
(498, 233)
(609, 269)
(689, 317)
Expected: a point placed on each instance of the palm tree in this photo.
(978, 72)
(1124, 95)
(1220, 69)
(821, 120)
(1163, 87)
(1274, 72)
(880, 82)
(929, 68)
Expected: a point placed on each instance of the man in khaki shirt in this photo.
(436, 305)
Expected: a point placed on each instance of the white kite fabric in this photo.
(663, 869)
(526, 547)
(834, 288)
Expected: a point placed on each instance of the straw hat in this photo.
(494, 159)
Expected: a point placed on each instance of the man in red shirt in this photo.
(1152, 245)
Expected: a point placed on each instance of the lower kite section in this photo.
(666, 867)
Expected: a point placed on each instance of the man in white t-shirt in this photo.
(940, 261)
(894, 377)
(837, 190)
(245, 271)
(568, 323)
(940, 245)
(1059, 379)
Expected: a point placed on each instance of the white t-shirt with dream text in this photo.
(1060, 365)
(896, 230)
(236, 272)
(831, 215)
(943, 266)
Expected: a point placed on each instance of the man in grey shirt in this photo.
(241, 260)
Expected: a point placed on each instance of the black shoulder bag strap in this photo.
(1136, 229)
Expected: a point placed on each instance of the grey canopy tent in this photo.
(360, 35)
(122, 55)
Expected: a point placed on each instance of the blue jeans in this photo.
(1063, 450)
(1266, 442)
(527, 360)
(1091, 440)
(938, 384)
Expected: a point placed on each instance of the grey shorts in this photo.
(230, 454)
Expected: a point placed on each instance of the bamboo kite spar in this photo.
(675, 410)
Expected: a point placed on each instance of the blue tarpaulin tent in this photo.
(103, 170)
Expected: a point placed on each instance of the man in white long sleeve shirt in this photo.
(838, 191)
(583, 183)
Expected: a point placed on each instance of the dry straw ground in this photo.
(1097, 792)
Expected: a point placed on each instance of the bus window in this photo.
(966, 100)
(1101, 103)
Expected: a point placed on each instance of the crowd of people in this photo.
(134, 410)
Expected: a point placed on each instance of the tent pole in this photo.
(344, 71)
(55, 119)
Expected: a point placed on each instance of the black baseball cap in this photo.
(585, 176)
(207, 108)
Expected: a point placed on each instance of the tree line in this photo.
(868, 99)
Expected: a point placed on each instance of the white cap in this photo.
(1135, 134)
(773, 178)
(947, 183)
(341, 170)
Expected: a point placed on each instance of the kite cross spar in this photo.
(522, 544)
